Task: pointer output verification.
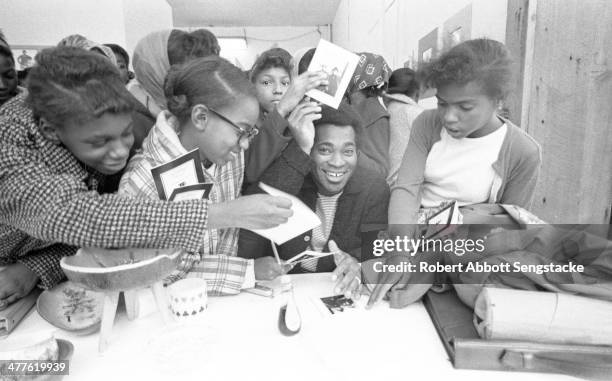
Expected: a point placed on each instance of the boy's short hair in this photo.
(345, 115)
(305, 60)
(120, 52)
(403, 81)
(6, 51)
(70, 84)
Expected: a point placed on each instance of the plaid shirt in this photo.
(215, 259)
(49, 204)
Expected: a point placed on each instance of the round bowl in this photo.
(21, 348)
(119, 269)
(72, 307)
(41, 346)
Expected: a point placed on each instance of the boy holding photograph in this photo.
(279, 94)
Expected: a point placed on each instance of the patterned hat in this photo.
(372, 71)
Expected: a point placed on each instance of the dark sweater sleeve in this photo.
(265, 147)
(374, 147)
(287, 172)
(521, 183)
(375, 212)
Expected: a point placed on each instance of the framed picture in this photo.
(24, 55)
(457, 28)
(179, 173)
(428, 47)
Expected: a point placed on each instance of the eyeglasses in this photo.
(244, 135)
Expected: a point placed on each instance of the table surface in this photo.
(238, 339)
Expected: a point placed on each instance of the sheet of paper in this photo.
(302, 220)
(306, 255)
(339, 64)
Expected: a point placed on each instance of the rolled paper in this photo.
(547, 317)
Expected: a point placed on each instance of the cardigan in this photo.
(363, 202)
(517, 169)
(373, 139)
(266, 146)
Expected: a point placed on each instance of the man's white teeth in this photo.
(335, 174)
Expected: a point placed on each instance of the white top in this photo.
(461, 169)
(326, 210)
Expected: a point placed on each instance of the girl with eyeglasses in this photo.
(212, 107)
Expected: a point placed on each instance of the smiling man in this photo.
(344, 195)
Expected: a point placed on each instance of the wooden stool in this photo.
(113, 271)
(111, 301)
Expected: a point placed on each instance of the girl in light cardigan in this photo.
(463, 151)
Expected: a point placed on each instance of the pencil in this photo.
(275, 253)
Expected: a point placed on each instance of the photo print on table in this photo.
(338, 303)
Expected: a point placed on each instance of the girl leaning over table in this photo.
(462, 151)
(59, 143)
(212, 107)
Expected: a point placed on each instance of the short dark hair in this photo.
(403, 81)
(119, 51)
(275, 57)
(485, 61)
(183, 46)
(6, 51)
(345, 115)
(70, 84)
(305, 60)
(211, 80)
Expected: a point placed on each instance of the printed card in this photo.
(339, 64)
(183, 171)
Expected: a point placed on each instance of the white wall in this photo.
(393, 27)
(259, 39)
(143, 17)
(125, 22)
(35, 22)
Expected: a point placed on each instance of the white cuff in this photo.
(249, 275)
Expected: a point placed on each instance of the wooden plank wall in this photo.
(516, 34)
(569, 109)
